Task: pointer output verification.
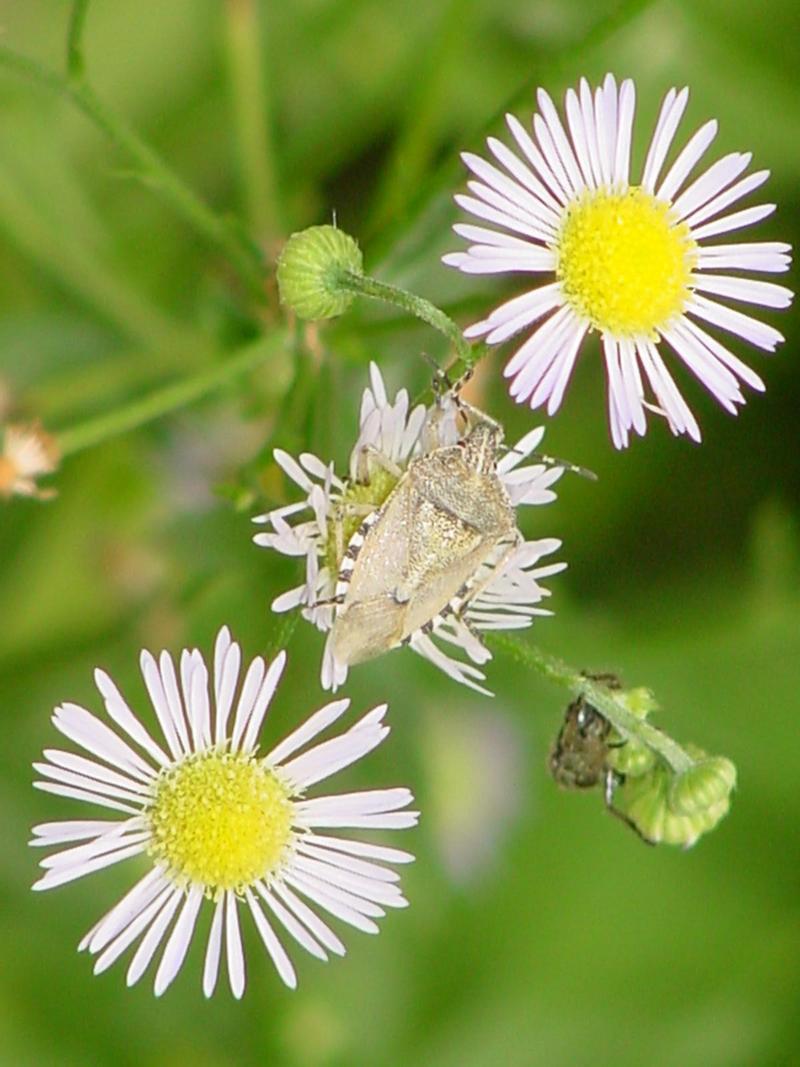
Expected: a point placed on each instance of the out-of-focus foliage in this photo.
(541, 931)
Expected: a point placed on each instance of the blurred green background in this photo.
(540, 931)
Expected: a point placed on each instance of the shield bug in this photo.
(419, 543)
(432, 546)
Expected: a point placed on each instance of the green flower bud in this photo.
(646, 802)
(703, 786)
(310, 270)
(631, 759)
(639, 702)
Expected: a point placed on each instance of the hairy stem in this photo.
(251, 112)
(170, 398)
(75, 61)
(150, 168)
(423, 309)
(606, 700)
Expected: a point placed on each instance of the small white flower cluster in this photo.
(507, 596)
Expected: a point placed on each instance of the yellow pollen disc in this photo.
(221, 819)
(624, 263)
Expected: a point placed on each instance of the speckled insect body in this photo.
(429, 549)
(580, 756)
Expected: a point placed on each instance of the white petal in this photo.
(213, 949)
(687, 159)
(529, 149)
(730, 196)
(233, 947)
(178, 943)
(293, 469)
(627, 106)
(227, 679)
(318, 722)
(263, 699)
(330, 902)
(83, 794)
(61, 877)
(367, 802)
(671, 111)
(283, 964)
(737, 221)
(125, 910)
(512, 190)
(550, 209)
(57, 833)
(122, 715)
(250, 691)
(348, 863)
(93, 770)
(364, 848)
(383, 893)
(153, 938)
(748, 290)
(710, 183)
(131, 931)
(291, 923)
(158, 698)
(85, 729)
(757, 333)
(169, 680)
(327, 758)
(320, 929)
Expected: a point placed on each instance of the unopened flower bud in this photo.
(703, 786)
(646, 801)
(310, 271)
(631, 759)
(639, 702)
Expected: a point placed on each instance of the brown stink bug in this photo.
(443, 531)
(419, 543)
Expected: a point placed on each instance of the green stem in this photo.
(363, 285)
(251, 106)
(170, 398)
(599, 696)
(71, 263)
(150, 167)
(75, 62)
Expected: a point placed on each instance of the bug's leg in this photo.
(369, 453)
(338, 516)
(457, 607)
(331, 601)
(611, 783)
(606, 678)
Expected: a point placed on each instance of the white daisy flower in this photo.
(28, 452)
(631, 261)
(507, 589)
(216, 820)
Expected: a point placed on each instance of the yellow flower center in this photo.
(624, 262)
(221, 819)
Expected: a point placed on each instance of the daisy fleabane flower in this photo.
(215, 820)
(28, 452)
(507, 588)
(632, 261)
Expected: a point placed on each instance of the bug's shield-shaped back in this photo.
(420, 553)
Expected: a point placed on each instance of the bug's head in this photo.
(481, 444)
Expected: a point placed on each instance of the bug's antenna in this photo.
(553, 461)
